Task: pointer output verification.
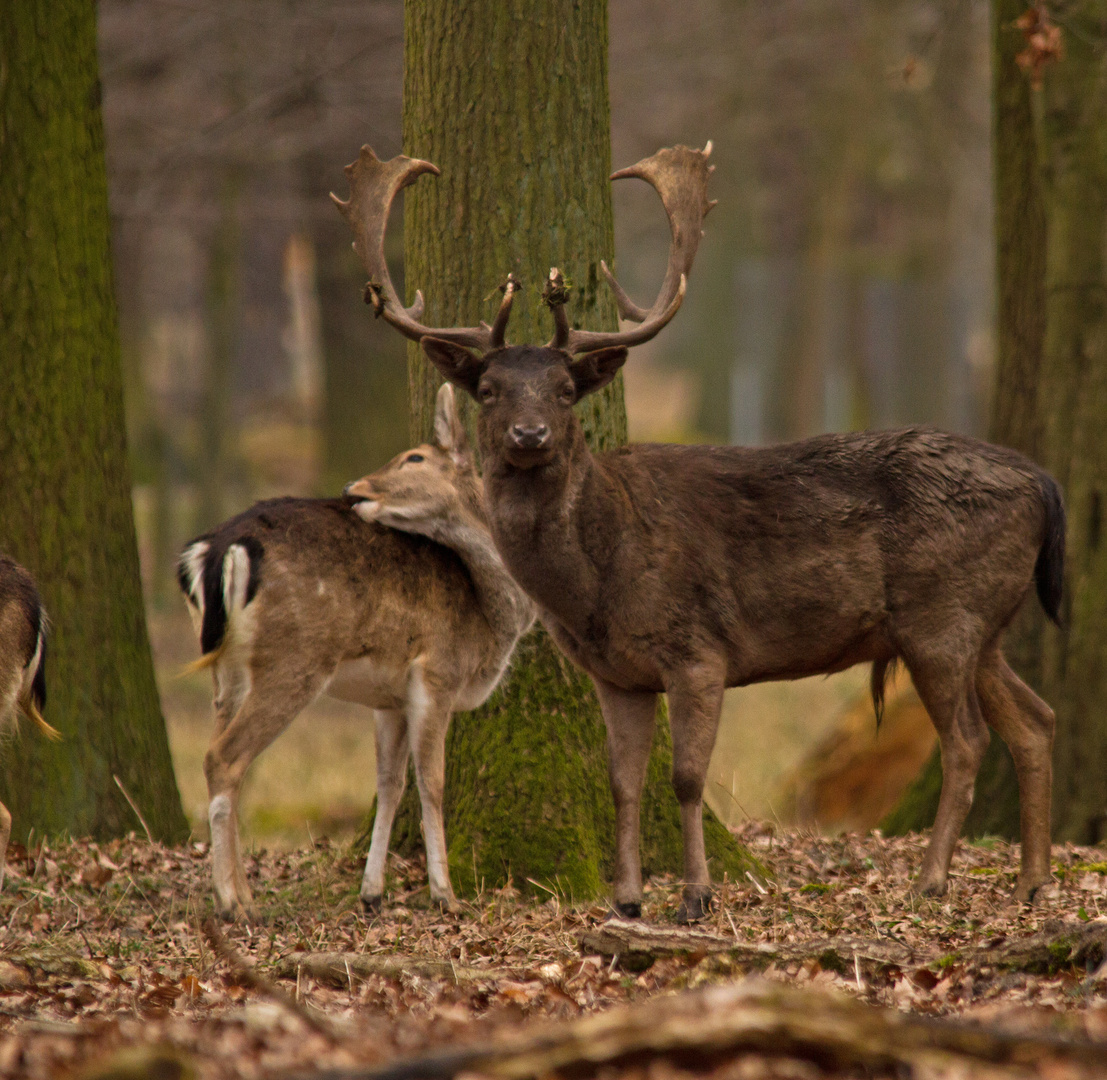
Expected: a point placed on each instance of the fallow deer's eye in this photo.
(413, 459)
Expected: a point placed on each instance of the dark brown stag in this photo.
(688, 569)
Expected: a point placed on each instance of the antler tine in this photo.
(555, 296)
(679, 175)
(374, 185)
(499, 327)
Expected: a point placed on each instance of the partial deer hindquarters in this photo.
(23, 626)
(688, 569)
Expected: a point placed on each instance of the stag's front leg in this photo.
(630, 719)
(695, 701)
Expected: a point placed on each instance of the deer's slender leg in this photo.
(266, 712)
(392, 753)
(428, 717)
(5, 836)
(630, 719)
(949, 695)
(695, 701)
(1025, 723)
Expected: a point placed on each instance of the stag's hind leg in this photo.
(1025, 723)
(949, 694)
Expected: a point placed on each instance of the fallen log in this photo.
(701, 1029)
(1060, 945)
(635, 945)
(340, 968)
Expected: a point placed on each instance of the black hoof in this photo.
(632, 909)
(694, 908)
(371, 905)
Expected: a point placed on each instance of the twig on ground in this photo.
(248, 975)
(131, 803)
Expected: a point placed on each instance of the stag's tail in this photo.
(217, 583)
(1049, 570)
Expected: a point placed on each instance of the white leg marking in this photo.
(223, 850)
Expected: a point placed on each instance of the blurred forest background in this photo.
(846, 282)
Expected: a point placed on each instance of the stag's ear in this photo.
(449, 432)
(457, 364)
(594, 370)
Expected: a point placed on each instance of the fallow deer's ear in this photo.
(594, 370)
(449, 431)
(457, 364)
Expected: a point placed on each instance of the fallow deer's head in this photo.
(525, 392)
(431, 481)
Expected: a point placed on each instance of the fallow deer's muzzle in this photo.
(527, 437)
(357, 489)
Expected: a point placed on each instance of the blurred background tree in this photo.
(66, 506)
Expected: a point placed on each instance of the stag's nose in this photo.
(530, 438)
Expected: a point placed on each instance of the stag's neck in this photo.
(539, 526)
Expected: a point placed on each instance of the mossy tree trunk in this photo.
(66, 506)
(1051, 397)
(510, 100)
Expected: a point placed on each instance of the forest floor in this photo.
(109, 959)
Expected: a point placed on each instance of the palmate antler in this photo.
(374, 184)
(679, 175)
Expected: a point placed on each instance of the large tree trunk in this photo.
(66, 505)
(1051, 398)
(510, 101)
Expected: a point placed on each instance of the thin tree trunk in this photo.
(1051, 399)
(66, 506)
(510, 100)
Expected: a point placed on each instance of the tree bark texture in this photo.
(510, 100)
(66, 506)
(1051, 397)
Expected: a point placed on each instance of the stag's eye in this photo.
(486, 394)
(568, 395)
(413, 459)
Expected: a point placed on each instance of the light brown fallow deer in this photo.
(296, 598)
